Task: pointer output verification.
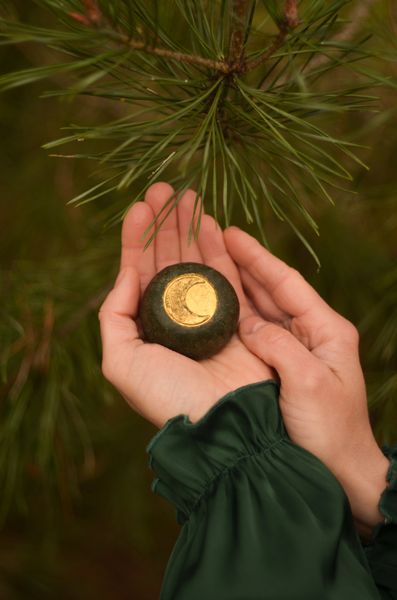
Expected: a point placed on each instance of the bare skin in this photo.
(157, 382)
(284, 326)
(315, 353)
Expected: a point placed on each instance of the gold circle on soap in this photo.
(190, 300)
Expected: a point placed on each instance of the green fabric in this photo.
(262, 518)
(382, 550)
(388, 500)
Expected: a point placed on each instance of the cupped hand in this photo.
(315, 353)
(157, 382)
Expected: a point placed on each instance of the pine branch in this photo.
(236, 49)
(93, 17)
(289, 22)
(192, 59)
(142, 146)
(262, 157)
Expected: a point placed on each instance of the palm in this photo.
(158, 382)
(171, 383)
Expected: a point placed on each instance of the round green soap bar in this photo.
(190, 308)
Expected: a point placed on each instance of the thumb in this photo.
(278, 348)
(118, 311)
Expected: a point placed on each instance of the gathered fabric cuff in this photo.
(189, 457)
(388, 499)
(381, 550)
(262, 517)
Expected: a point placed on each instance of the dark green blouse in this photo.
(262, 518)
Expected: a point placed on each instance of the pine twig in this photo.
(358, 14)
(286, 25)
(93, 17)
(193, 59)
(236, 49)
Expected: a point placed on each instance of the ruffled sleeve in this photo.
(381, 550)
(262, 518)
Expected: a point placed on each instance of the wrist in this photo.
(364, 479)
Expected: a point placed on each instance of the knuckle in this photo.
(277, 335)
(287, 276)
(314, 381)
(292, 272)
(111, 317)
(350, 331)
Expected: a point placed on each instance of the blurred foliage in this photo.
(79, 519)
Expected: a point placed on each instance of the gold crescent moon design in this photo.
(190, 300)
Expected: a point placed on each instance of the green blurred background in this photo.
(93, 529)
(79, 519)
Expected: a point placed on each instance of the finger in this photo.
(166, 242)
(215, 255)
(118, 311)
(285, 285)
(133, 254)
(190, 252)
(280, 349)
(261, 299)
(315, 320)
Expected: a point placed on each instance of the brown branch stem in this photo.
(236, 48)
(358, 14)
(94, 18)
(277, 43)
(288, 24)
(236, 60)
(193, 59)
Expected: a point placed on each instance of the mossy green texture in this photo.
(197, 342)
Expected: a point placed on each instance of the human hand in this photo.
(157, 382)
(315, 352)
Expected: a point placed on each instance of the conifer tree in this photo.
(267, 108)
